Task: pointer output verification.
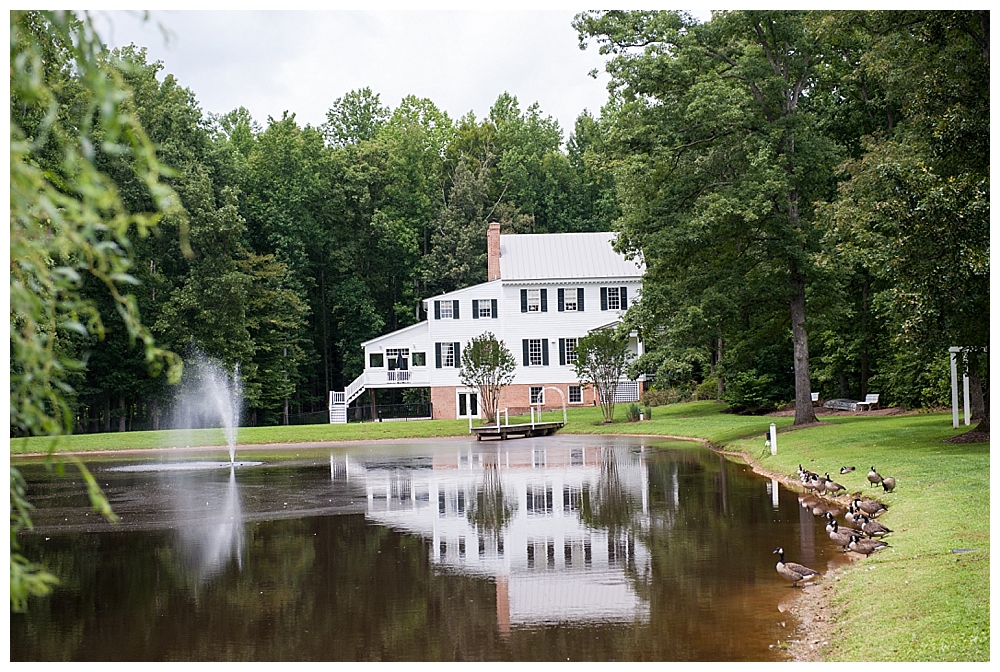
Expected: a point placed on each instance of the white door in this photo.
(468, 404)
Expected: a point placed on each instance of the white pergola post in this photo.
(954, 350)
(954, 387)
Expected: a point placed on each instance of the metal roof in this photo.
(558, 256)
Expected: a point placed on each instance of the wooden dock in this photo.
(521, 430)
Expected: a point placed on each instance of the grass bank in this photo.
(698, 420)
(918, 600)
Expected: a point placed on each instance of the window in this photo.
(614, 298)
(534, 352)
(537, 395)
(447, 355)
(446, 310)
(534, 300)
(571, 299)
(575, 394)
(419, 359)
(567, 351)
(484, 308)
(375, 360)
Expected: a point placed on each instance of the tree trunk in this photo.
(978, 402)
(107, 413)
(804, 413)
(720, 386)
(865, 286)
(121, 414)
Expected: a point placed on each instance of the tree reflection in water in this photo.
(492, 508)
(607, 505)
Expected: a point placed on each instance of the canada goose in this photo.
(870, 506)
(874, 477)
(866, 546)
(846, 470)
(793, 571)
(831, 521)
(873, 528)
(840, 537)
(805, 473)
(831, 486)
(888, 483)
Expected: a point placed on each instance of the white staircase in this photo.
(340, 400)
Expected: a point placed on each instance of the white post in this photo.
(965, 391)
(774, 439)
(506, 418)
(532, 417)
(954, 388)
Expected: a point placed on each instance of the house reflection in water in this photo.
(555, 526)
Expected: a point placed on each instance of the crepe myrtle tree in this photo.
(601, 359)
(487, 364)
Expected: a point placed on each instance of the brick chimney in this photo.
(493, 252)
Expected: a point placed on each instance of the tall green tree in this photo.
(718, 149)
(914, 209)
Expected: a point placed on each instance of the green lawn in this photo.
(915, 601)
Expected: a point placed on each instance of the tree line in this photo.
(809, 191)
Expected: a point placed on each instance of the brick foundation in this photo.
(515, 398)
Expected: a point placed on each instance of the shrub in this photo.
(752, 393)
(633, 412)
(658, 397)
(707, 389)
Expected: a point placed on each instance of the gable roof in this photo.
(557, 256)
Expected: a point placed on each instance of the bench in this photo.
(870, 401)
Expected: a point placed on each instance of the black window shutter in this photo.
(475, 309)
(561, 299)
(545, 303)
(604, 298)
(524, 348)
(579, 299)
(562, 352)
(624, 291)
(437, 353)
(494, 306)
(458, 354)
(437, 310)
(545, 352)
(524, 300)
(454, 309)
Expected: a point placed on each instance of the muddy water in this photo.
(558, 548)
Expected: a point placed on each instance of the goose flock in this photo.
(861, 534)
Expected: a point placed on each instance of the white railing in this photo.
(355, 389)
(398, 376)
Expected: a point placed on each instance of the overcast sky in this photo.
(300, 61)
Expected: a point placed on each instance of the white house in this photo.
(543, 293)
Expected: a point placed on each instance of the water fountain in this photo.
(210, 398)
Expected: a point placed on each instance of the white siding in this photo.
(549, 262)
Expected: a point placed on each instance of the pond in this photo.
(555, 548)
